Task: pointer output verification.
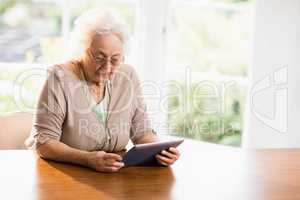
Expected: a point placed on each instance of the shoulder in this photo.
(127, 69)
(59, 79)
(125, 80)
(126, 72)
(55, 70)
(61, 73)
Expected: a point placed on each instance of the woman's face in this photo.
(103, 58)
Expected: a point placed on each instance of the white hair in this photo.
(94, 22)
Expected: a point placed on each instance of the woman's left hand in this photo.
(168, 157)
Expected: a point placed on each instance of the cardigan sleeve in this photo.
(49, 113)
(140, 122)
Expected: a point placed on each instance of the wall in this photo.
(274, 102)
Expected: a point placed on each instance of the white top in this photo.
(101, 108)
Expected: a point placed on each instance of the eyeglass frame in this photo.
(105, 59)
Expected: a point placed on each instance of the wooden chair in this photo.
(14, 129)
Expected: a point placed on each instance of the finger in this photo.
(170, 155)
(117, 164)
(111, 162)
(112, 156)
(174, 150)
(111, 169)
(165, 159)
(162, 163)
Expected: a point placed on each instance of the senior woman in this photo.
(91, 106)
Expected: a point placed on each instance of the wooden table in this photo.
(205, 171)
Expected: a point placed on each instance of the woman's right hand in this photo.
(104, 162)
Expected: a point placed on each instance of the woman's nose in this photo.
(107, 66)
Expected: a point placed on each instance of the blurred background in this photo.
(207, 42)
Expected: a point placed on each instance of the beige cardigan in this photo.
(64, 112)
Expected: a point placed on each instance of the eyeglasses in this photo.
(101, 59)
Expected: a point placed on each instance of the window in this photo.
(30, 32)
(34, 35)
(199, 47)
(207, 58)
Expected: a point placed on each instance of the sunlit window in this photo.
(34, 35)
(206, 45)
(207, 56)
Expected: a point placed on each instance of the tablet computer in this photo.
(144, 154)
